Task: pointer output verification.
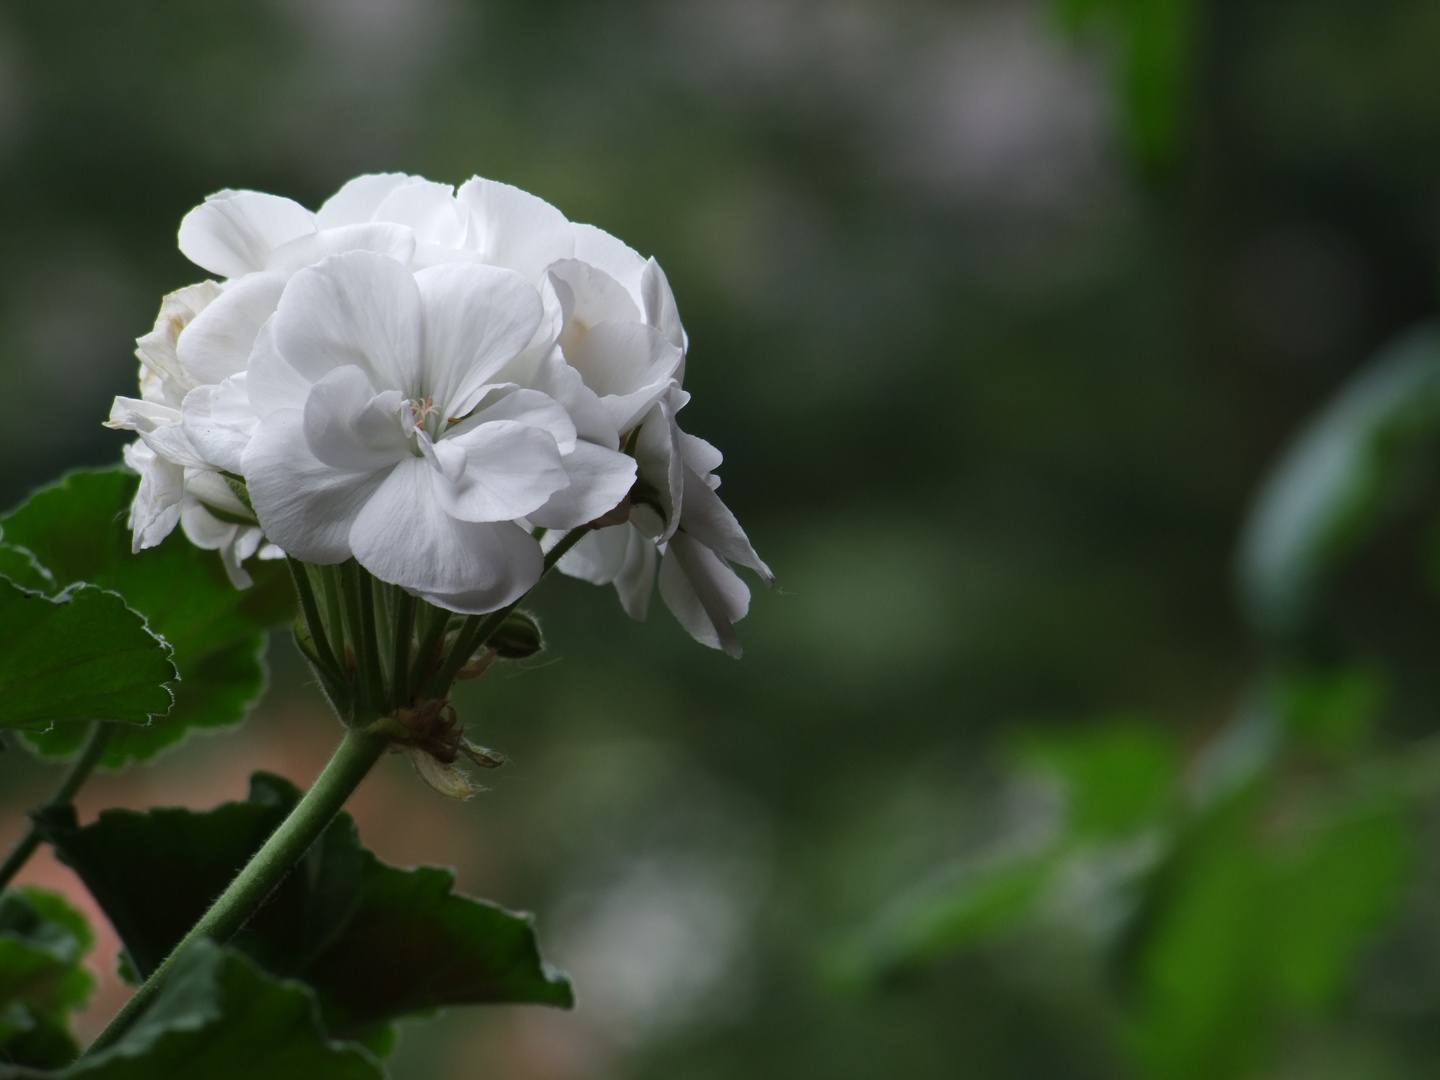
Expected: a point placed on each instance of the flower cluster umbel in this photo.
(439, 384)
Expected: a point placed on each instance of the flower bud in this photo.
(518, 637)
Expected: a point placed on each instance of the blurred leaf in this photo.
(1338, 891)
(948, 915)
(1330, 711)
(1337, 480)
(43, 942)
(82, 655)
(1117, 779)
(77, 530)
(1241, 928)
(1157, 40)
(221, 1018)
(374, 941)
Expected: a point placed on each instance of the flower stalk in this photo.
(74, 779)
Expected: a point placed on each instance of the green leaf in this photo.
(82, 655)
(220, 1018)
(955, 911)
(375, 942)
(1338, 481)
(76, 529)
(21, 567)
(1116, 779)
(1157, 41)
(1242, 927)
(43, 942)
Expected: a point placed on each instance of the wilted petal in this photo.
(704, 594)
(477, 319)
(658, 452)
(218, 341)
(233, 232)
(404, 536)
(356, 309)
(305, 506)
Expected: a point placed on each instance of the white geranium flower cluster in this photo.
(437, 383)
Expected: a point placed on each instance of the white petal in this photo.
(137, 414)
(510, 470)
(305, 506)
(357, 308)
(395, 241)
(236, 543)
(219, 421)
(711, 523)
(702, 457)
(636, 581)
(628, 365)
(233, 232)
(218, 341)
(429, 209)
(524, 407)
(477, 319)
(558, 380)
(513, 228)
(358, 200)
(156, 509)
(598, 558)
(589, 296)
(658, 452)
(616, 258)
(704, 594)
(599, 480)
(350, 427)
(271, 381)
(403, 536)
(660, 309)
(156, 349)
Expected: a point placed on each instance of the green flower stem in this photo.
(311, 611)
(80, 771)
(433, 622)
(355, 617)
(353, 759)
(373, 672)
(334, 617)
(404, 630)
(477, 629)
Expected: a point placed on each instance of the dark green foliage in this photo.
(81, 655)
(1156, 41)
(43, 942)
(76, 529)
(221, 1018)
(375, 942)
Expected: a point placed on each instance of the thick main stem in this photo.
(353, 759)
(80, 771)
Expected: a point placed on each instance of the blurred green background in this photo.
(1000, 312)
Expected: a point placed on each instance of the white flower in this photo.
(674, 506)
(384, 432)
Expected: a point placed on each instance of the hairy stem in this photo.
(80, 770)
(352, 761)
